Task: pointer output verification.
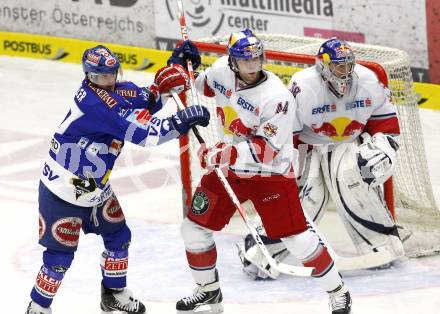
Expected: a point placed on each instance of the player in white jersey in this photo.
(350, 133)
(257, 118)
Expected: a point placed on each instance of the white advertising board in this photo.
(118, 21)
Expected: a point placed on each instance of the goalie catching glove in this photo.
(377, 158)
(221, 155)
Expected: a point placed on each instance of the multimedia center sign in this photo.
(393, 23)
(218, 17)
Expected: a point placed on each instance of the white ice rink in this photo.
(35, 96)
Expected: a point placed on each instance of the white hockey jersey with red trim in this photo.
(258, 120)
(328, 119)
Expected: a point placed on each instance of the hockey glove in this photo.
(152, 99)
(377, 158)
(185, 119)
(221, 155)
(173, 78)
(186, 51)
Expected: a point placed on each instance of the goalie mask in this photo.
(335, 62)
(246, 54)
(101, 66)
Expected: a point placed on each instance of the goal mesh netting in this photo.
(414, 202)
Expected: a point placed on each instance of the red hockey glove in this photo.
(172, 78)
(221, 155)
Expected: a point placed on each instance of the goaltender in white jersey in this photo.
(349, 141)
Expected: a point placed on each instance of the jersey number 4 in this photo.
(282, 107)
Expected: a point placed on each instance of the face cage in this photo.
(339, 80)
(247, 66)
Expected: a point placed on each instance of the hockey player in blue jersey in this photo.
(75, 192)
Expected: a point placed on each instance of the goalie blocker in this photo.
(352, 176)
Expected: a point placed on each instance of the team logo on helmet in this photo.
(244, 45)
(92, 59)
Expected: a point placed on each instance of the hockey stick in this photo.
(369, 260)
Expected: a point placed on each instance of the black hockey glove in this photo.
(186, 51)
(184, 119)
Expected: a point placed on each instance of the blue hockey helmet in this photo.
(244, 45)
(101, 66)
(335, 61)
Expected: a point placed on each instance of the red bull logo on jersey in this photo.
(324, 108)
(340, 129)
(363, 103)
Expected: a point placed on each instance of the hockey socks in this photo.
(202, 265)
(55, 265)
(114, 267)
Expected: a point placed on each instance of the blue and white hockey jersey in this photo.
(90, 138)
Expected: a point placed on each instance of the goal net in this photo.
(409, 195)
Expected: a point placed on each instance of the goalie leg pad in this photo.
(314, 195)
(201, 251)
(361, 207)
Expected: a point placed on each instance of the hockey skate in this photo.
(35, 308)
(205, 300)
(120, 301)
(340, 300)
